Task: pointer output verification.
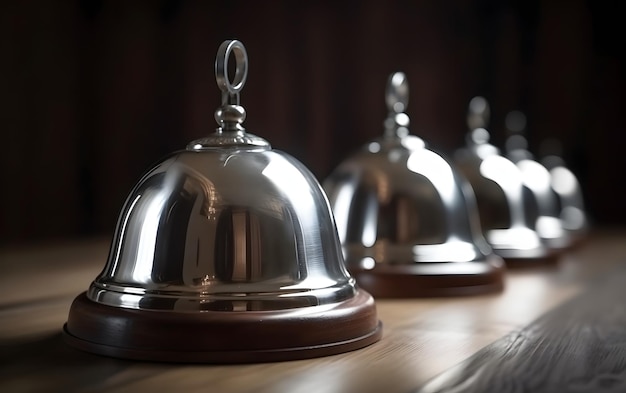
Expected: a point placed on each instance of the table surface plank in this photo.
(578, 347)
(422, 337)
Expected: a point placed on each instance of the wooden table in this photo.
(428, 344)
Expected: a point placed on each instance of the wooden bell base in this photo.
(223, 337)
(432, 279)
(550, 259)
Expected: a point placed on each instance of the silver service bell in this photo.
(224, 252)
(499, 188)
(569, 193)
(406, 220)
(541, 203)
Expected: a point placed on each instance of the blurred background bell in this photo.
(406, 220)
(566, 186)
(499, 188)
(224, 252)
(541, 203)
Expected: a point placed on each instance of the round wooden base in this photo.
(223, 337)
(432, 279)
(550, 259)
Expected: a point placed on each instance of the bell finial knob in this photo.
(516, 143)
(515, 122)
(397, 94)
(478, 113)
(230, 115)
(397, 98)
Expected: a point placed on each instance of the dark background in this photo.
(92, 93)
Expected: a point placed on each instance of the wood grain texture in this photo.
(579, 347)
(422, 338)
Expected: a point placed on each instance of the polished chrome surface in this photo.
(227, 224)
(541, 203)
(397, 202)
(499, 188)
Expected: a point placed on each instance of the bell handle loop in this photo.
(397, 94)
(478, 113)
(230, 90)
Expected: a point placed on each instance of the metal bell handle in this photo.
(230, 90)
(515, 122)
(397, 99)
(397, 94)
(478, 113)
